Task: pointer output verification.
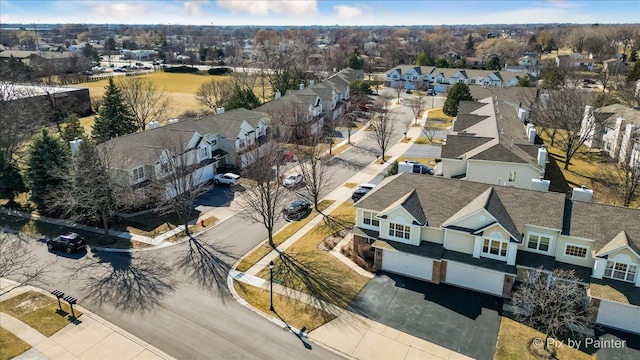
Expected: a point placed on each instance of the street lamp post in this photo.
(271, 266)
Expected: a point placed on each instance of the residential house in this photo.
(229, 139)
(487, 237)
(493, 144)
(614, 129)
(615, 66)
(576, 61)
(475, 63)
(411, 77)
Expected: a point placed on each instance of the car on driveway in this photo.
(292, 180)
(361, 191)
(431, 92)
(69, 242)
(296, 210)
(227, 178)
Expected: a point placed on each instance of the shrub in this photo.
(366, 252)
(219, 71)
(181, 69)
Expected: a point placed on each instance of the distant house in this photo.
(493, 144)
(412, 77)
(66, 99)
(487, 237)
(616, 130)
(575, 61)
(615, 66)
(475, 63)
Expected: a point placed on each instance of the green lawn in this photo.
(39, 311)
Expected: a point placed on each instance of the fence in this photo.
(83, 79)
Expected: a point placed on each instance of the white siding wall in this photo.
(489, 172)
(459, 241)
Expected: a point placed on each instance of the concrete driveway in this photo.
(461, 320)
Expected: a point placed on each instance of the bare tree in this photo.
(399, 86)
(382, 131)
(145, 99)
(90, 190)
(314, 166)
(262, 201)
(553, 303)
(18, 262)
(624, 179)
(20, 117)
(179, 181)
(416, 106)
(561, 114)
(429, 132)
(214, 93)
(290, 121)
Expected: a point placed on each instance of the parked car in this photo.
(69, 242)
(414, 167)
(431, 92)
(409, 91)
(361, 191)
(296, 210)
(292, 180)
(227, 178)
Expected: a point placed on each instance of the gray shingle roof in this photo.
(441, 198)
(499, 152)
(464, 121)
(411, 203)
(457, 145)
(603, 223)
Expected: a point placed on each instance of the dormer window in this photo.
(138, 174)
(399, 231)
(495, 246)
(621, 268)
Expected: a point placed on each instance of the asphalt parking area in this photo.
(461, 320)
(616, 345)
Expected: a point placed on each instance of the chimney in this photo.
(277, 95)
(582, 194)
(153, 124)
(540, 184)
(531, 133)
(74, 144)
(220, 110)
(522, 115)
(312, 83)
(542, 157)
(301, 86)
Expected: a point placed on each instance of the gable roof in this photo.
(489, 201)
(411, 203)
(457, 145)
(464, 121)
(446, 197)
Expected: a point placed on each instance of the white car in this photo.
(227, 178)
(292, 180)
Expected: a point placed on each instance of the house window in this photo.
(494, 248)
(203, 153)
(576, 251)
(621, 271)
(539, 242)
(164, 168)
(370, 219)
(415, 77)
(138, 173)
(399, 231)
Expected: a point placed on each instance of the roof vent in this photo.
(173, 121)
(582, 194)
(154, 124)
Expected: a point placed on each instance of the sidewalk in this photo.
(350, 334)
(91, 338)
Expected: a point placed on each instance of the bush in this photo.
(219, 71)
(181, 69)
(366, 252)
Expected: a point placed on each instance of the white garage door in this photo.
(409, 265)
(619, 316)
(204, 174)
(475, 278)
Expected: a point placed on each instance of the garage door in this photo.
(619, 316)
(204, 174)
(475, 278)
(409, 265)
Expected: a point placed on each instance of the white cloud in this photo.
(194, 7)
(119, 10)
(267, 7)
(345, 12)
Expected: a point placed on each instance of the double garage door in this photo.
(408, 265)
(619, 316)
(475, 278)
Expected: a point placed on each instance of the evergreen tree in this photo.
(552, 80)
(634, 74)
(11, 183)
(442, 63)
(242, 98)
(469, 45)
(46, 157)
(524, 81)
(72, 128)
(355, 62)
(424, 59)
(459, 92)
(114, 117)
(494, 63)
(633, 56)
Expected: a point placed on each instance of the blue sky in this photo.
(320, 12)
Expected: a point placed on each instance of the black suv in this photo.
(69, 242)
(296, 210)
